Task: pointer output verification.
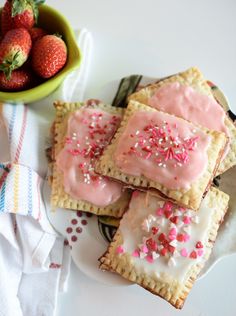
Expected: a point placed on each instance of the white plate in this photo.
(88, 244)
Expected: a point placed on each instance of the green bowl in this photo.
(53, 22)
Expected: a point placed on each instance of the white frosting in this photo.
(135, 233)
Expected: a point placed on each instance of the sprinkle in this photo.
(171, 262)
(151, 218)
(135, 253)
(187, 220)
(137, 132)
(155, 230)
(186, 237)
(193, 255)
(173, 231)
(173, 243)
(155, 255)
(199, 244)
(149, 259)
(144, 248)
(168, 206)
(167, 214)
(142, 255)
(174, 219)
(184, 252)
(162, 237)
(160, 211)
(180, 237)
(163, 251)
(200, 252)
(120, 249)
(151, 244)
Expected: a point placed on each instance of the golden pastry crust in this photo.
(59, 198)
(193, 78)
(170, 289)
(190, 198)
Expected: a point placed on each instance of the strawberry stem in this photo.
(8, 66)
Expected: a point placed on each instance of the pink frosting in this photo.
(184, 101)
(88, 132)
(163, 148)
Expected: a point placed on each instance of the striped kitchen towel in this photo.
(34, 260)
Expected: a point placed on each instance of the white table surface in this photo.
(155, 38)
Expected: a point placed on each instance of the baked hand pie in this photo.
(188, 95)
(156, 151)
(81, 132)
(162, 246)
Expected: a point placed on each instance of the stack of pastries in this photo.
(151, 165)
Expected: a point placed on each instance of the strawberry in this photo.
(6, 19)
(49, 55)
(20, 80)
(19, 13)
(14, 50)
(36, 33)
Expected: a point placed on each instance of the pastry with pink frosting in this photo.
(81, 132)
(188, 95)
(153, 150)
(162, 246)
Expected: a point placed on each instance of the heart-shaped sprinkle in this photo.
(135, 253)
(162, 237)
(187, 220)
(199, 245)
(171, 248)
(168, 206)
(167, 214)
(200, 252)
(155, 230)
(163, 252)
(186, 237)
(180, 237)
(174, 219)
(193, 255)
(151, 244)
(173, 231)
(149, 259)
(171, 262)
(184, 252)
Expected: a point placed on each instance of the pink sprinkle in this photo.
(172, 237)
(120, 249)
(144, 249)
(148, 155)
(200, 252)
(186, 237)
(173, 231)
(149, 259)
(182, 209)
(135, 253)
(168, 206)
(184, 252)
(160, 211)
(187, 220)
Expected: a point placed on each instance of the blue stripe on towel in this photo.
(2, 197)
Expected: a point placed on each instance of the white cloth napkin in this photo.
(34, 261)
